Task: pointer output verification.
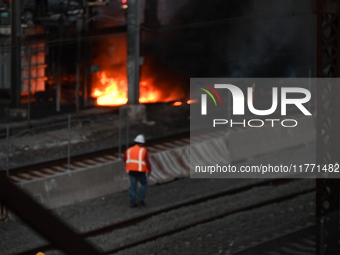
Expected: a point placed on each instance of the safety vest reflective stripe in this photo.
(138, 163)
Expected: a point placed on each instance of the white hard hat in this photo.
(140, 139)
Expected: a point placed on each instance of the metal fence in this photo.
(65, 137)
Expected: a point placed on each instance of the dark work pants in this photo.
(136, 177)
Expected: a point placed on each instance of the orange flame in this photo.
(177, 103)
(191, 101)
(113, 92)
(148, 94)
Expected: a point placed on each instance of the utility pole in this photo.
(15, 53)
(133, 51)
(86, 58)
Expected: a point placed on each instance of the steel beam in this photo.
(325, 6)
(328, 122)
(42, 220)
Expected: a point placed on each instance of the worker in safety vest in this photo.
(138, 166)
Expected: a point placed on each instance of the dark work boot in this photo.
(142, 203)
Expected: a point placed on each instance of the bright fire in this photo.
(113, 92)
(192, 101)
(148, 94)
(177, 103)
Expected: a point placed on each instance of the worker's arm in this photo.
(124, 157)
(147, 161)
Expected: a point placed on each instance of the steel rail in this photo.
(88, 156)
(276, 242)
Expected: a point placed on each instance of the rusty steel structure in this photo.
(328, 122)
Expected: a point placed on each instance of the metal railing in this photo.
(68, 135)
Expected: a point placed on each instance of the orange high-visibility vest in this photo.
(135, 159)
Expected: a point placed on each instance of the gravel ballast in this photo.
(241, 229)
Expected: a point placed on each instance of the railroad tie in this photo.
(121, 155)
(110, 157)
(90, 162)
(80, 164)
(59, 168)
(161, 146)
(15, 178)
(72, 167)
(100, 160)
(180, 143)
(25, 176)
(48, 171)
(185, 140)
(170, 145)
(152, 149)
(37, 173)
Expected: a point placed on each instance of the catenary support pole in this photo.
(133, 51)
(15, 53)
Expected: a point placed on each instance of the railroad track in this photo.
(50, 168)
(300, 241)
(141, 219)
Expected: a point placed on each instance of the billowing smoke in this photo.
(248, 38)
